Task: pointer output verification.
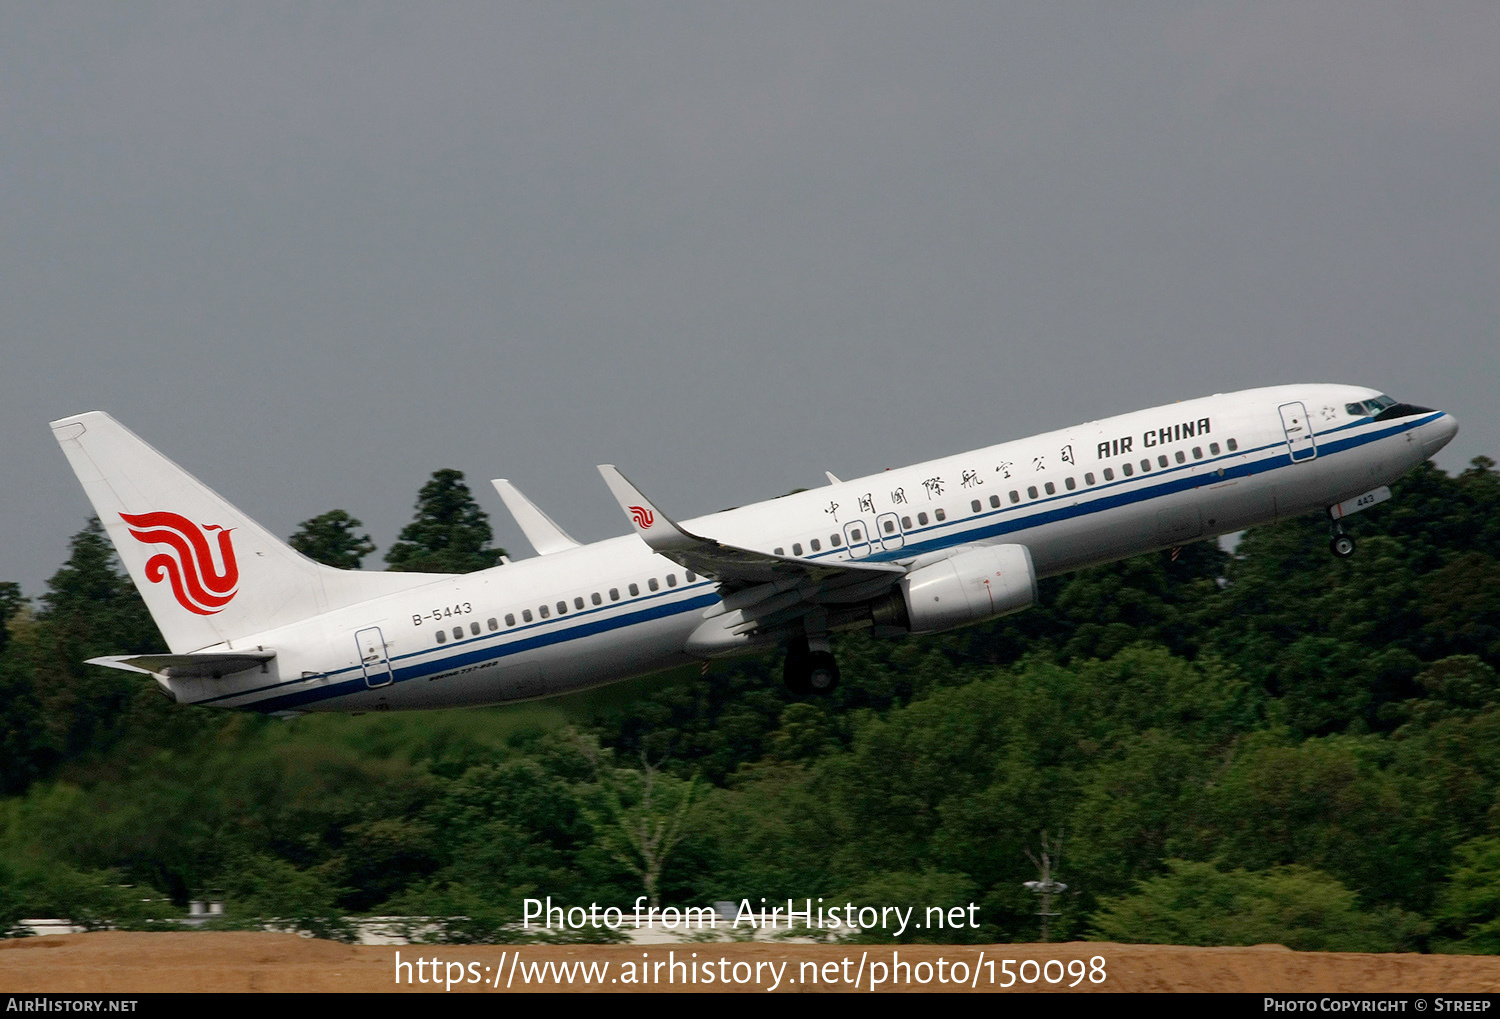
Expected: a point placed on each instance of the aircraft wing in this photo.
(737, 568)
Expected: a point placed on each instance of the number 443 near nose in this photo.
(253, 624)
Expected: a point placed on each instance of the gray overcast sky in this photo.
(314, 252)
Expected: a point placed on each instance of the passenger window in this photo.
(781, 551)
(1233, 445)
(922, 519)
(1088, 479)
(474, 627)
(857, 535)
(835, 540)
(510, 619)
(994, 502)
(1161, 460)
(596, 599)
(653, 585)
(458, 633)
(614, 594)
(1129, 470)
(1213, 448)
(1051, 488)
(562, 608)
(442, 636)
(1032, 491)
(671, 580)
(816, 545)
(890, 527)
(544, 612)
(1109, 474)
(635, 590)
(691, 576)
(578, 603)
(975, 506)
(494, 624)
(1197, 452)
(1181, 456)
(797, 548)
(939, 514)
(526, 615)
(1145, 466)
(1015, 496)
(1071, 484)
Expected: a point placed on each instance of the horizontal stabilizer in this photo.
(201, 665)
(831, 479)
(540, 529)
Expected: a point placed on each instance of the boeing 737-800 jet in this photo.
(253, 624)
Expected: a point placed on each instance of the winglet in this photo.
(656, 529)
(540, 529)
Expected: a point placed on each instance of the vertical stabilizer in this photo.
(209, 574)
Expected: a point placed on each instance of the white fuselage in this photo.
(614, 609)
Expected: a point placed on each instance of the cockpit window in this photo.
(1369, 408)
(1401, 410)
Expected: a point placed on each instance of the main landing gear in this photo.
(1339, 543)
(810, 667)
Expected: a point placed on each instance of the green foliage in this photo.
(1296, 906)
(11, 602)
(330, 539)
(1469, 908)
(450, 533)
(91, 605)
(92, 899)
(265, 890)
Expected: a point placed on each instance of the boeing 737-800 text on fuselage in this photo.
(253, 624)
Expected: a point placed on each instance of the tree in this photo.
(11, 602)
(90, 608)
(450, 533)
(1470, 905)
(92, 601)
(1301, 908)
(331, 540)
(643, 817)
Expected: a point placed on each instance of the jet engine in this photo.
(977, 583)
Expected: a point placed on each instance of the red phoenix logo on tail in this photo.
(198, 583)
(642, 516)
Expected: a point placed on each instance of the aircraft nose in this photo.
(1439, 433)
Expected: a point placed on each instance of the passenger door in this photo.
(1300, 444)
(373, 658)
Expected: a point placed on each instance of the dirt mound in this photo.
(125, 962)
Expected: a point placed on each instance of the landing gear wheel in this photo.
(809, 672)
(822, 673)
(1342, 546)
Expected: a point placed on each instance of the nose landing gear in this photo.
(1339, 543)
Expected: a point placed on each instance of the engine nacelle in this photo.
(966, 587)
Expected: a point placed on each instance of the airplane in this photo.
(252, 624)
